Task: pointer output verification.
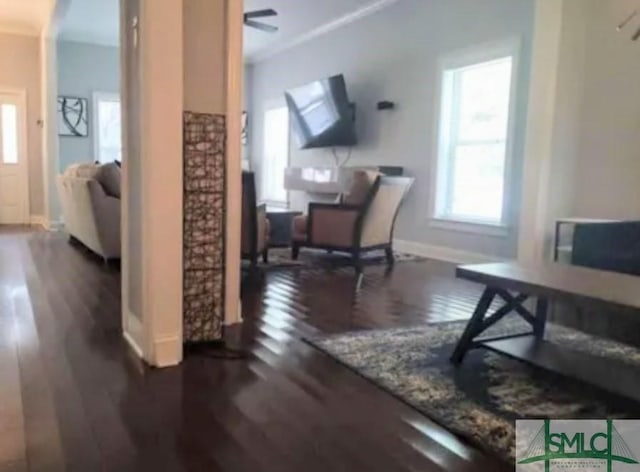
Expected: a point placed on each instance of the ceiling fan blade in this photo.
(261, 13)
(261, 26)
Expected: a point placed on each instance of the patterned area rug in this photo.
(481, 399)
(280, 258)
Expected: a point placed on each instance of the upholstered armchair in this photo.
(363, 222)
(255, 225)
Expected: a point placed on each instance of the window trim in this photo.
(273, 104)
(439, 166)
(97, 97)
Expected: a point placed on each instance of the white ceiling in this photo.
(298, 19)
(91, 21)
(24, 16)
(96, 21)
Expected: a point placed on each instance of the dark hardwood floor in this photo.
(73, 398)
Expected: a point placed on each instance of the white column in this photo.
(152, 179)
(182, 59)
(50, 153)
(540, 129)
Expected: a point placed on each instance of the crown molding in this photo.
(321, 30)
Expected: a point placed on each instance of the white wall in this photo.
(392, 55)
(607, 171)
(82, 70)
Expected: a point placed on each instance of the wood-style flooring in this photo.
(73, 398)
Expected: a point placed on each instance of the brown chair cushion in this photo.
(360, 186)
(299, 230)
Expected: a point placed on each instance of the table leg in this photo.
(542, 308)
(474, 324)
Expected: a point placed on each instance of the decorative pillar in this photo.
(204, 226)
(212, 155)
(181, 171)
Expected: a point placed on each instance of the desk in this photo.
(281, 220)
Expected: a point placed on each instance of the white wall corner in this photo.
(442, 253)
(540, 130)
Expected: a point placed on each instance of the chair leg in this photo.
(295, 251)
(390, 257)
(357, 261)
(265, 255)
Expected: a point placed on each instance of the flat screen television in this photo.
(321, 114)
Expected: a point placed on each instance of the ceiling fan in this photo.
(249, 16)
(628, 20)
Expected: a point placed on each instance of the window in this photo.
(9, 136)
(275, 154)
(474, 136)
(107, 132)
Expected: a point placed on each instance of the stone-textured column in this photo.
(204, 225)
(212, 104)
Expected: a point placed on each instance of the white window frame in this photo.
(271, 105)
(439, 170)
(97, 97)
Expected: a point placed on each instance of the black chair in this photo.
(608, 246)
(255, 225)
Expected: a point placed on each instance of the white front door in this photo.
(14, 182)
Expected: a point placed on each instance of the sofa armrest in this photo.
(106, 212)
(332, 225)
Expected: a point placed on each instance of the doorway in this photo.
(14, 180)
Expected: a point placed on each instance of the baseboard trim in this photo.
(443, 253)
(167, 352)
(133, 345)
(133, 332)
(39, 220)
(55, 226)
(45, 223)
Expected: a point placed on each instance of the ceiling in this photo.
(24, 16)
(91, 21)
(96, 21)
(298, 19)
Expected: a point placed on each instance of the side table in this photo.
(281, 220)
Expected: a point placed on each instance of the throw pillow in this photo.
(108, 175)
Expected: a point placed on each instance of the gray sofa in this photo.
(90, 200)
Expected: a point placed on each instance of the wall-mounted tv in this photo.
(321, 113)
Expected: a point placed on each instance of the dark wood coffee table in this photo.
(515, 284)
